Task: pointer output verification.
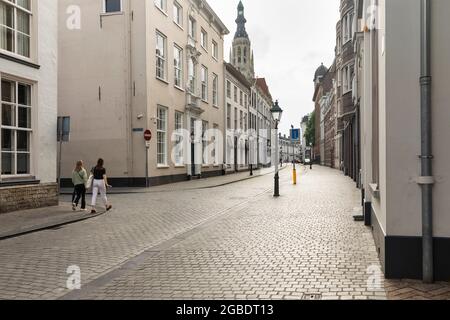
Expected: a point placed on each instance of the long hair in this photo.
(79, 165)
(100, 163)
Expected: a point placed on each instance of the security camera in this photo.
(140, 116)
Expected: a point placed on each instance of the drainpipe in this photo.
(426, 180)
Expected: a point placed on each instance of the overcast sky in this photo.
(290, 39)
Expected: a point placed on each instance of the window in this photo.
(161, 57)
(204, 76)
(162, 136)
(228, 116)
(245, 100)
(228, 89)
(178, 66)
(15, 26)
(161, 4)
(215, 90)
(241, 120)
(113, 6)
(215, 50)
(347, 78)
(179, 139)
(215, 152)
(347, 26)
(239, 55)
(235, 118)
(192, 26)
(241, 98)
(235, 94)
(178, 14)
(16, 131)
(192, 76)
(205, 142)
(204, 40)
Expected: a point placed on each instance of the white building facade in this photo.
(390, 82)
(162, 70)
(28, 117)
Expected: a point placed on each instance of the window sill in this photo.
(179, 26)
(179, 88)
(215, 58)
(161, 10)
(162, 80)
(162, 167)
(180, 166)
(18, 59)
(109, 14)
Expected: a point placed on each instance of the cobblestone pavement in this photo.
(230, 242)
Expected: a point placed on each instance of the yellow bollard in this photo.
(294, 176)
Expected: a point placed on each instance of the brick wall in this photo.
(28, 197)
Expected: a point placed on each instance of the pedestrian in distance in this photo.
(79, 180)
(99, 184)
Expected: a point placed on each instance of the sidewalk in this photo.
(206, 183)
(19, 223)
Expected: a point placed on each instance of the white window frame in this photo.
(215, 96)
(178, 68)
(204, 39)
(161, 5)
(204, 80)
(161, 136)
(15, 128)
(179, 147)
(192, 74)
(215, 50)
(16, 32)
(192, 28)
(178, 14)
(228, 89)
(205, 140)
(162, 58)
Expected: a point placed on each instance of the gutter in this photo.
(426, 179)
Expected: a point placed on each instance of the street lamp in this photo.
(277, 112)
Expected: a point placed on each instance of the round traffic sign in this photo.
(147, 135)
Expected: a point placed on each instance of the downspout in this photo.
(426, 180)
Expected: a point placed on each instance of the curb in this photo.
(187, 189)
(47, 226)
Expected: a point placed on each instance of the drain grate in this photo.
(312, 296)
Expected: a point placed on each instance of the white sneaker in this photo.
(74, 207)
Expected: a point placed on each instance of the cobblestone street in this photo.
(229, 242)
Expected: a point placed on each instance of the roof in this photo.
(262, 84)
(320, 72)
(202, 4)
(237, 74)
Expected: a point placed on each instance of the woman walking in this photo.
(100, 184)
(79, 179)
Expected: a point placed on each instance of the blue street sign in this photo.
(295, 134)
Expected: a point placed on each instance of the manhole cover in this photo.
(312, 296)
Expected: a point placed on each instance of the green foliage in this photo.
(310, 134)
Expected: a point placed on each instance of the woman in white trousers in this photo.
(99, 184)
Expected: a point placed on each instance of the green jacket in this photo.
(79, 177)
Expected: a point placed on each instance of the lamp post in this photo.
(277, 112)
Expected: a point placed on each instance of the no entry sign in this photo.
(148, 135)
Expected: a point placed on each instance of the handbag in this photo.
(88, 184)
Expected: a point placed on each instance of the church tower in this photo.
(241, 56)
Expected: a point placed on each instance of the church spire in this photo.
(241, 21)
